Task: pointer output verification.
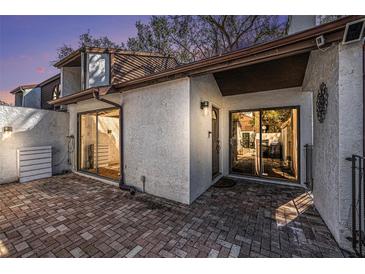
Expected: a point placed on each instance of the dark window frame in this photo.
(260, 176)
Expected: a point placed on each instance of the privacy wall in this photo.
(340, 135)
(30, 128)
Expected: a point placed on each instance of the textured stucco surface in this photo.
(32, 127)
(202, 88)
(301, 22)
(156, 136)
(340, 135)
(267, 99)
(323, 67)
(351, 127)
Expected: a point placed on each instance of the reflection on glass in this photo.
(87, 142)
(279, 143)
(99, 143)
(265, 143)
(245, 139)
(108, 144)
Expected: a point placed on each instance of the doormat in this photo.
(224, 182)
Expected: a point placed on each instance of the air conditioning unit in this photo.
(354, 31)
(34, 163)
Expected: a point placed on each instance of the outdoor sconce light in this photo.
(204, 105)
(6, 132)
(7, 129)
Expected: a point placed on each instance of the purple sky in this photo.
(28, 43)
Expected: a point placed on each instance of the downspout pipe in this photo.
(132, 190)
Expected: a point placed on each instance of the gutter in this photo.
(132, 190)
(290, 45)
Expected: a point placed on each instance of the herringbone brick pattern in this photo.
(73, 216)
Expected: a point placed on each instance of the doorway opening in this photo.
(264, 143)
(99, 144)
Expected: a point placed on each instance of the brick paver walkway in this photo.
(73, 216)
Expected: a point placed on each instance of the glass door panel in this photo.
(245, 142)
(99, 146)
(279, 143)
(108, 158)
(87, 142)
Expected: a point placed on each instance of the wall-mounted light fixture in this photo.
(7, 129)
(204, 104)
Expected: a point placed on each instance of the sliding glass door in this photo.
(99, 151)
(265, 143)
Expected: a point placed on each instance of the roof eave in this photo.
(294, 44)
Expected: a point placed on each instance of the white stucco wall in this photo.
(323, 67)
(299, 23)
(340, 135)
(70, 80)
(32, 127)
(202, 88)
(351, 136)
(32, 98)
(156, 136)
(267, 99)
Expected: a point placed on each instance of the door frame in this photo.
(298, 181)
(219, 154)
(78, 147)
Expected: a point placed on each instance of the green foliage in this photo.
(274, 119)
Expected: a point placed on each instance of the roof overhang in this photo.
(49, 80)
(22, 88)
(296, 44)
(77, 53)
(280, 73)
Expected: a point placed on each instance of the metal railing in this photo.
(358, 204)
(308, 166)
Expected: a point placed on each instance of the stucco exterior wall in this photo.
(32, 127)
(351, 136)
(340, 135)
(268, 99)
(323, 67)
(156, 137)
(70, 80)
(202, 88)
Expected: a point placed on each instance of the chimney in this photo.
(299, 23)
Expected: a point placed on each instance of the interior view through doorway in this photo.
(264, 143)
(99, 145)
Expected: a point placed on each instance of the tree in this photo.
(3, 103)
(191, 38)
(88, 40)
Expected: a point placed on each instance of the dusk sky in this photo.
(28, 44)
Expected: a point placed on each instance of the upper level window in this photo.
(56, 92)
(98, 70)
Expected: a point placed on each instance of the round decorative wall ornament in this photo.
(322, 102)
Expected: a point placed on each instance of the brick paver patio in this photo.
(73, 216)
